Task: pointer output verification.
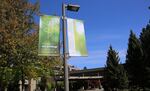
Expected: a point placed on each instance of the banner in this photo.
(76, 38)
(49, 36)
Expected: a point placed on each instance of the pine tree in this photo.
(145, 41)
(123, 78)
(115, 76)
(134, 61)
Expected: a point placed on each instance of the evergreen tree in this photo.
(145, 41)
(115, 76)
(134, 61)
(123, 78)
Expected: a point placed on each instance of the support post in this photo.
(66, 81)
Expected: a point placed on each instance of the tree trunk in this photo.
(29, 85)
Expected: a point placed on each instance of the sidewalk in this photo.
(93, 90)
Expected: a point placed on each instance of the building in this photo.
(85, 79)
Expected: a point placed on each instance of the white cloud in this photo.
(110, 37)
(122, 55)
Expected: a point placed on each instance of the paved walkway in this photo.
(92, 90)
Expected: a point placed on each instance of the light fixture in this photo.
(72, 7)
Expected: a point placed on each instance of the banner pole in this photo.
(66, 80)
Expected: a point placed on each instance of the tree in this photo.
(145, 42)
(19, 43)
(115, 76)
(134, 61)
(85, 68)
(17, 38)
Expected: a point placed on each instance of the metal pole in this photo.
(66, 81)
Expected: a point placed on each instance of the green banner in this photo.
(49, 36)
(76, 38)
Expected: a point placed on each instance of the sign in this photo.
(76, 38)
(49, 35)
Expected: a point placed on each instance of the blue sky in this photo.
(106, 22)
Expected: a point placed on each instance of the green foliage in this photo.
(115, 76)
(123, 78)
(145, 42)
(46, 83)
(137, 59)
(134, 61)
(19, 43)
(5, 76)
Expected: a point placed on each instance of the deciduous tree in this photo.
(18, 43)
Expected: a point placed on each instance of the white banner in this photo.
(76, 38)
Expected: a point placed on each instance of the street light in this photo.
(71, 8)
